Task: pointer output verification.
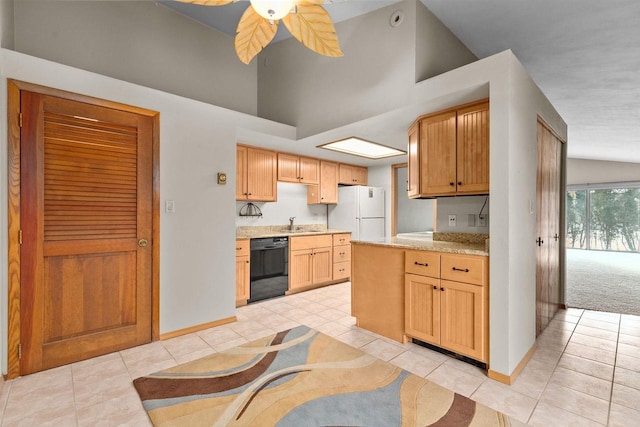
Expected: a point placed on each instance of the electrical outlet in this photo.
(452, 220)
(482, 220)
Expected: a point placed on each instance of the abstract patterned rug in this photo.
(301, 377)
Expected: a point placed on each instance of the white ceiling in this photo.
(584, 55)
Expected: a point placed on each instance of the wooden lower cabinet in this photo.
(243, 272)
(447, 313)
(422, 308)
(462, 326)
(341, 256)
(310, 261)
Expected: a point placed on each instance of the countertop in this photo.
(254, 234)
(425, 244)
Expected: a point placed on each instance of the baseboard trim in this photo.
(509, 379)
(197, 328)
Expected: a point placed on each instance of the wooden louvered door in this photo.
(86, 212)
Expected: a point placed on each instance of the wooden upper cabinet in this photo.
(292, 168)
(327, 191)
(256, 173)
(473, 149)
(438, 154)
(352, 175)
(449, 152)
(241, 173)
(413, 184)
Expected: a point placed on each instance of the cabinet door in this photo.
(322, 265)
(300, 268)
(261, 175)
(413, 172)
(328, 182)
(288, 170)
(242, 280)
(473, 150)
(438, 154)
(345, 174)
(422, 308)
(462, 327)
(241, 173)
(309, 170)
(360, 175)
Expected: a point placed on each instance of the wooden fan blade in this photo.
(208, 2)
(253, 33)
(311, 25)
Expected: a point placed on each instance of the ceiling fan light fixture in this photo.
(272, 9)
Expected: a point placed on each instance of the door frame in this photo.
(14, 87)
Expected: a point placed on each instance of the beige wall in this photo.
(580, 171)
(6, 24)
(437, 48)
(377, 73)
(139, 42)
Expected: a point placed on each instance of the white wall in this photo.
(292, 201)
(197, 140)
(140, 42)
(462, 207)
(377, 73)
(580, 171)
(412, 214)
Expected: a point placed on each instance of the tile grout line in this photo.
(555, 367)
(613, 378)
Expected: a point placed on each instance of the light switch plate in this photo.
(169, 206)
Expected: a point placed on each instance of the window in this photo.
(604, 217)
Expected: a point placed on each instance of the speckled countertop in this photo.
(430, 245)
(250, 232)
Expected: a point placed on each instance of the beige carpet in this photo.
(301, 377)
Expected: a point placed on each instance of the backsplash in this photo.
(462, 207)
(292, 201)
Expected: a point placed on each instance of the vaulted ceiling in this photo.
(584, 55)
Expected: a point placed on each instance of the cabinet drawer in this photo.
(423, 263)
(341, 239)
(465, 269)
(341, 253)
(341, 270)
(242, 247)
(310, 242)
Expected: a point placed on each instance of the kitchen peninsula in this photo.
(431, 290)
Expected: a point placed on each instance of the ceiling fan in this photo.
(306, 20)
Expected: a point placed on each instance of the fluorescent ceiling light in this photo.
(360, 147)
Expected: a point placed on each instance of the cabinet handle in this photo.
(419, 263)
(435, 288)
(247, 262)
(459, 182)
(466, 270)
(556, 237)
(237, 249)
(442, 289)
(452, 184)
(341, 253)
(539, 241)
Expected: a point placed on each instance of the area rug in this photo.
(301, 377)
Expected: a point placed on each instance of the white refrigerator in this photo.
(360, 210)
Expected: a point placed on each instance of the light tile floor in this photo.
(585, 372)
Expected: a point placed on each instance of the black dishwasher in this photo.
(269, 268)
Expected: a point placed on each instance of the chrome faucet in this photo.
(291, 223)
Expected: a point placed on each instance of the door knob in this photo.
(143, 243)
